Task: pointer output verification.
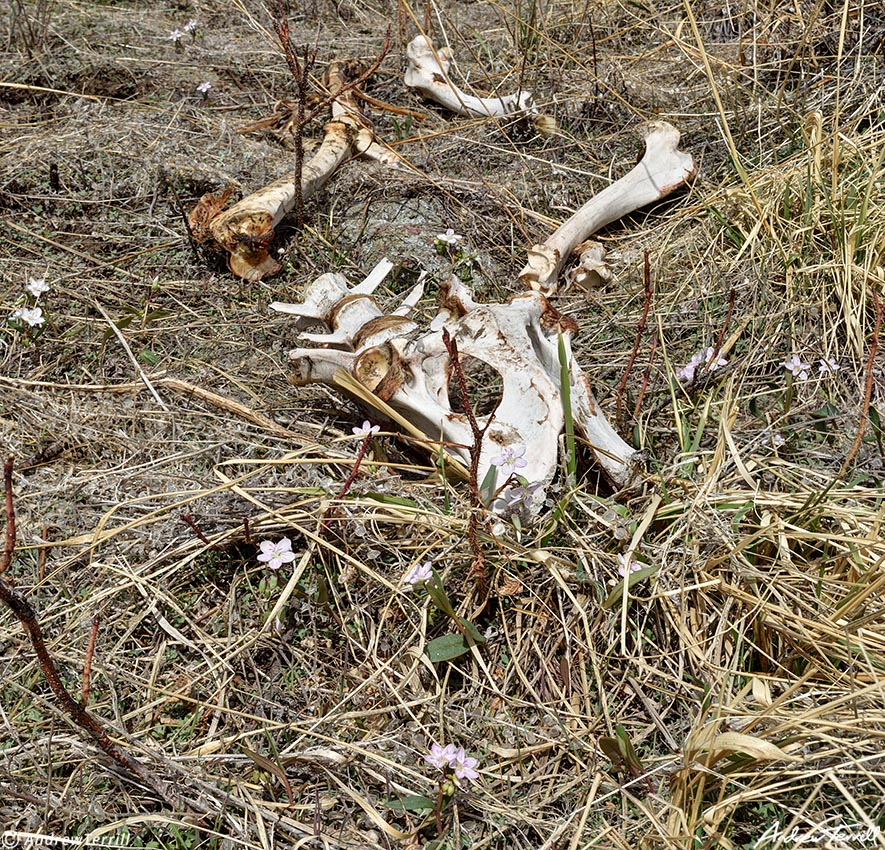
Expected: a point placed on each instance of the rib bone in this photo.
(661, 170)
(428, 72)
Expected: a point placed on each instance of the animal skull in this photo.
(409, 369)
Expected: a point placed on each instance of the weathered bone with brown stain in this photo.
(409, 369)
(661, 170)
(246, 230)
(428, 73)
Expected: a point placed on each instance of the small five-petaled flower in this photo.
(419, 574)
(449, 237)
(276, 554)
(510, 458)
(37, 286)
(455, 758)
(828, 366)
(797, 368)
(31, 316)
(634, 567)
(203, 88)
(367, 429)
(706, 356)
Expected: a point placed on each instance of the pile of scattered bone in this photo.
(401, 369)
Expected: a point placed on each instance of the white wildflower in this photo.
(797, 367)
(37, 286)
(31, 316)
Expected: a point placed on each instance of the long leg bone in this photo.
(661, 170)
(428, 72)
(246, 230)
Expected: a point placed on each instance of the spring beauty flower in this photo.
(464, 766)
(419, 574)
(509, 459)
(623, 568)
(366, 429)
(276, 554)
(37, 286)
(449, 238)
(31, 316)
(828, 366)
(516, 498)
(441, 757)
(706, 356)
(797, 368)
(203, 88)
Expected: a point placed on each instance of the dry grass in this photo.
(761, 512)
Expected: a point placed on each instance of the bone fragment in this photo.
(428, 73)
(661, 170)
(351, 313)
(246, 230)
(592, 271)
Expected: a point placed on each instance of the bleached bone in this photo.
(661, 170)
(246, 230)
(355, 319)
(428, 72)
(410, 371)
(592, 270)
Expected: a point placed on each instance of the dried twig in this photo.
(9, 544)
(300, 68)
(19, 605)
(87, 664)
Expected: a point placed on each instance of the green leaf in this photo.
(487, 488)
(121, 324)
(387, 499)
(472, 631)
(566, 392)
(440, 598)
(634, 578)
(447, 647)
(412, 803)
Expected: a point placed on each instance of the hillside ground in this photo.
(733, 697)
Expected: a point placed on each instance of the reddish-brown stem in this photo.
(646, 376)
(725, 324)
(87, 664)
(247, 531)
(437, 810)
(41, 558)
(868, 385)
(9, 543)
(640, 328)
(27, 616)
(300, 70)
(364, 447)
(191, 523)
(478, 568)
